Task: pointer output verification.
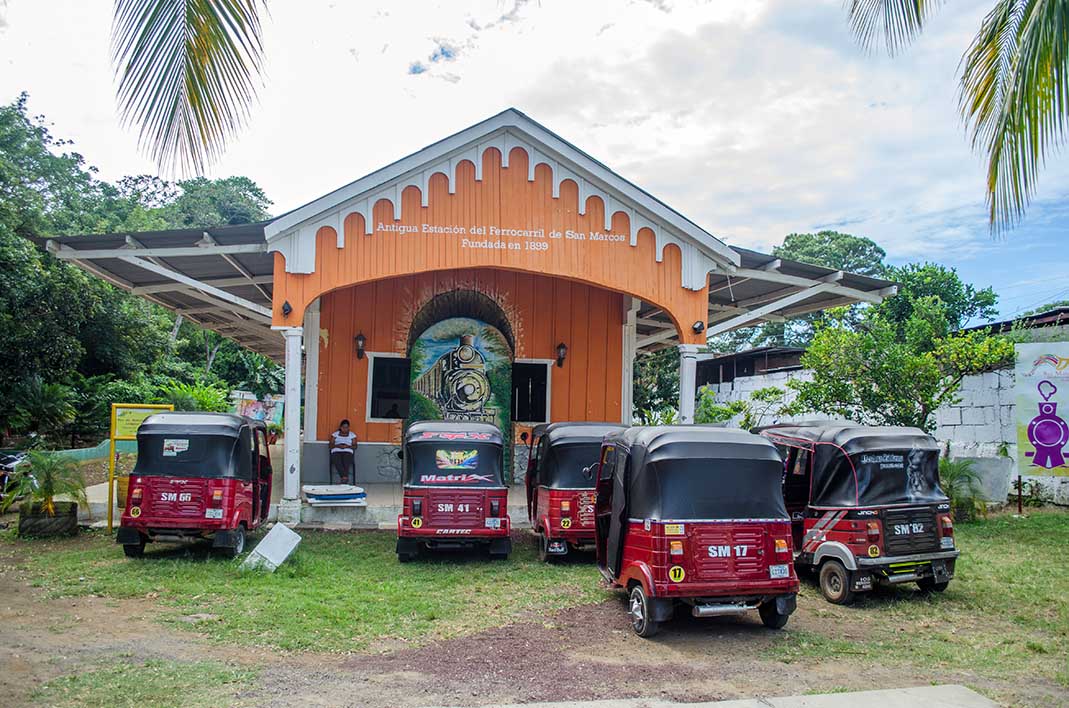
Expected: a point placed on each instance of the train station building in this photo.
(500, 274)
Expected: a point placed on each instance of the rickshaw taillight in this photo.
(948, 525)
(217, 496)
(135, 496)
(675, 548)
(565, 506)
(874, 530)
(417, 507)
(495, 508)
(781, 545)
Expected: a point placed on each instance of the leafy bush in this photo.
(961, 484)
(41, 407)
(1033, 493)
(43, 477)
(659, 416)
(709, 411)
(194, 397)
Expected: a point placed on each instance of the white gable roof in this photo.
(293, 234)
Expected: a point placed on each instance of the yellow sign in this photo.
(135, 511)
(673, 529)
(417, 522)
(565, 523)
(126, 418)
(874, 550)
(676, 573)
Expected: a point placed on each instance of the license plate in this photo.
(213, 513)
(494, 523)
(947, 542)
(779, 571)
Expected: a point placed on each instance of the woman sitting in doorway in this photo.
(342, 455)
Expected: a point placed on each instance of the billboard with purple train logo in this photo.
(1042, 388)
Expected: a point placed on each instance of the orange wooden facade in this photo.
(504, 199)
(541, 311)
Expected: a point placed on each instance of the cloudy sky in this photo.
(754, 118)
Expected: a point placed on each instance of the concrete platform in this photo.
(928, 696)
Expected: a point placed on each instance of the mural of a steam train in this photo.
(457, 382)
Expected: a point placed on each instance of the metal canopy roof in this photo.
(219, 278)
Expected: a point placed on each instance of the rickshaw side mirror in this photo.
(588, 472)
(523, 436)
(400, 454)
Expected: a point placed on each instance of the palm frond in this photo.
(1014, 98)
(187, 74)
(895, 23)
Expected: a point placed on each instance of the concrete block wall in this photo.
(981, 424)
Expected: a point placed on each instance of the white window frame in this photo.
(371, 356)
(549, 363)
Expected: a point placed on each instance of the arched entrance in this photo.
(461, 353)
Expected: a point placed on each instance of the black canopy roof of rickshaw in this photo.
(837, 450)
(749, 478)
(668, 441)
(566, 433)
(424, 431)
(851, 438)
(196, 423)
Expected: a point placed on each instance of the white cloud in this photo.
(754, 118)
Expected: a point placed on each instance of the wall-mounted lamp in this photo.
(698, 327)
(361, 342)
(562, 351)
(287, 308)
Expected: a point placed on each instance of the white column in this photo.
(688, 381)
(289, 510)
(311, 372)
(627, 384)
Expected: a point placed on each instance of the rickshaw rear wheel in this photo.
(641, 618)
(835, 583)
(134, 550)
(239, 543)
(543, 550)
(929, 585)
(770, 617)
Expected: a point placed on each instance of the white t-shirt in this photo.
(347, 439)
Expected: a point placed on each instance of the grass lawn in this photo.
(149, 683)
(338, 593)
(1004, 616)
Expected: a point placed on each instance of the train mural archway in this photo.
(462, 370)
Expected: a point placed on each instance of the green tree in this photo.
(873, 374)
(656, 383)
(833, 249)
(961, 301)
(203, 202)
(187, 74)
(1014, 89)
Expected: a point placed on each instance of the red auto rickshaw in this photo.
(198, 476)
(454, 492)
(693, 515)
(866, 506)
(560, 491)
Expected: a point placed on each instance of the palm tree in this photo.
(187, 73)
(1014, 87)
